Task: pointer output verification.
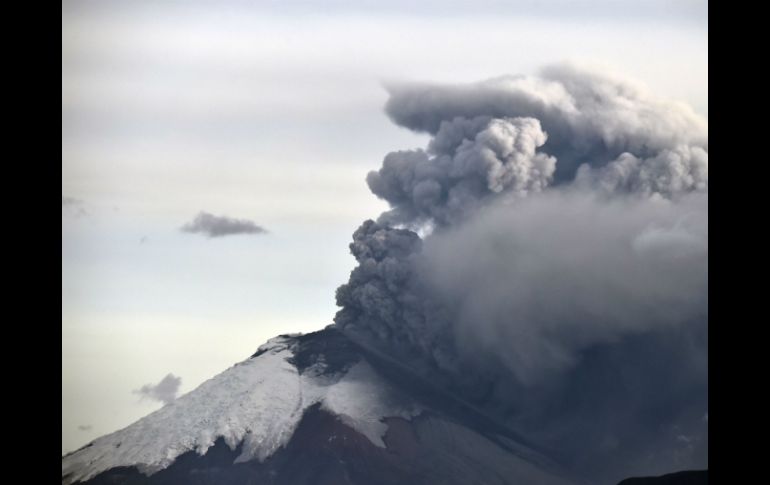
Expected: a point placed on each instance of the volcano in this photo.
(314, 409)
(532, 308)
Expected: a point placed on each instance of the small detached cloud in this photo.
(69, 201)
(165, 391)
(85, 427)
(219, 226)
(73, 206)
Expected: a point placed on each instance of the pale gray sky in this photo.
(270, 112)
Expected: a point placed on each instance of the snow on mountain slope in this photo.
(257, 403)
(314, 409)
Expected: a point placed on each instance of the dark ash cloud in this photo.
(220, 226)
(560, 283)
(541, 280)
(468, 161)
(165, 391)
(590, 117)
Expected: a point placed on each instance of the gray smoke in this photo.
(562, 284)
(551, 276)
(219, 226)
(577, 319)
(467, 161)
(591, 117)
(670, 172)
(165, 391)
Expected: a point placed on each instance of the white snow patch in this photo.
(362, 399)
(258, 402)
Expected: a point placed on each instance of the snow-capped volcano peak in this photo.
(349, 415)
(257, 402)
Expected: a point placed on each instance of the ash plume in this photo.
(468, 160)
(590, 117)
(561, 281)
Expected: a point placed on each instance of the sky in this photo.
(214, 157)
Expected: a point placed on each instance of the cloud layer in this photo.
(220, 226)
(164, 391)
(561, 280)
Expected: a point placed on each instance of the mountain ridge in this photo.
(287, 398)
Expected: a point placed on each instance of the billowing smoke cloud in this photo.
(555, 275)
(219, 226)
(165, 391)
(562, 284)
(467, 161)
(670, 172)
(590, 117)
